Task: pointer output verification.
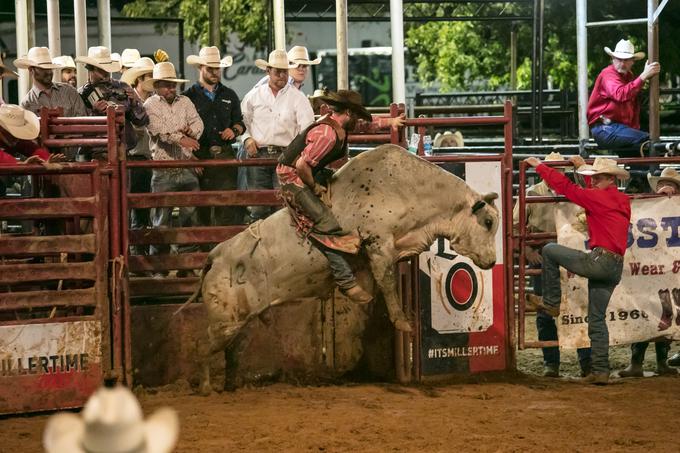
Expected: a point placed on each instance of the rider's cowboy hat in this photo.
(6, 71)
(603, 166)
(112, 422)
(65, 61)
(19, 122)
(164, 71)
(348, 99)
(299, 55)
(277, 59)
(100, 57)
(129, 57)
(624, 50)
(142, 66)
(38, 57)
(210, 57)
(668, 174)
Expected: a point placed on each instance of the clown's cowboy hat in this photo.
(19, 122)
(100, 57)
(300, 55)
(37, 57)
(129, 57)
(624, 50)
(668, 174)
(65, 61)
(277, 59)
(6, 71)
(348, 99)
(112, 422)
(164, 71)
(142, 66)
(603, 166)
(210, 57)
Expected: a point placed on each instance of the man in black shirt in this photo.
(220, 109)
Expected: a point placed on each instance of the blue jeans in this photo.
(603, 273)
(262, 178)
(616, 135)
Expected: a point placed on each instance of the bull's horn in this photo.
(489, 197)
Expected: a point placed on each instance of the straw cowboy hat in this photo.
(299, 55)
(19, 122)
(129, 57)
(668, 174)
(65, 61)
(448, 139)
(112, 422)
(603, 166)
(6, 71)
(277, 59)
(210, 57)
(100, 57)
(142, 66)
(162, 71)
(38, 57)
(347, 99)
(624, 50)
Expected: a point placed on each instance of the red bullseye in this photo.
(461, 286)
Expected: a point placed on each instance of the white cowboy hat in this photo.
(142, 66)
(38, 57)
(668, 174)
(112, 422)
(65, 61)
(299, 55)
(100, 57)
(448, 139)
(6, 71)
(19, 122)
(624, 50)
(162, 71)
(128, 57)
(210, 57)
(603, 166)
(277, 59)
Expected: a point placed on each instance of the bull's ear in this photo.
(490, 197)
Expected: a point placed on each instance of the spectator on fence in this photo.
(175, 128)
(128, 58)
(540, 218)
(112, 421)
(608, 217)
(274, 114)
(101, 91)
(220, 109)
(614, 107)
(68, 70)
(667, 183)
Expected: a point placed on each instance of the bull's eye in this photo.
(488, 223)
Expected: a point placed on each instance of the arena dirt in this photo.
(487, 413)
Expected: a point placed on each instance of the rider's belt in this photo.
(272, 149)
(597, 251)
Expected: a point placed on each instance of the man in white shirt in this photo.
(274, 114)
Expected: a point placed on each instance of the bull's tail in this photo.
(196, 293)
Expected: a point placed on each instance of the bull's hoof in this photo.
(403, 325)
(205, 389)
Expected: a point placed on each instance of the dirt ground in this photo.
(491, 412)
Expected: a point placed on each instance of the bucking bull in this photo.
(398, 202)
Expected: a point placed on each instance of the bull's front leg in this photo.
(382, 258)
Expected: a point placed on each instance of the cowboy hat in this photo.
(348, 99)
(162, 71)
(277, 59)
(65, 61)
(100, 57)
(299, 55)
(142, 66)
(448, 139)
(6, 71)
(603, 166)
(128, 57)
(19, 122)
(112, 422)
(210, 57)
(624, 50)
(668, 174)
(38, 57)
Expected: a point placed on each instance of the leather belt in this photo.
(271, 149)
(609, 253)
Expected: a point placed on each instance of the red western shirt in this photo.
(615, 96)
(24, 147)
(320, 141)
(607, 210)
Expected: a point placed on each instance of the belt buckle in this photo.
(271, 149)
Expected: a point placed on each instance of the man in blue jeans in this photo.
(608, 217)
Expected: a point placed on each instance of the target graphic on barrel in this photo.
(461, 286)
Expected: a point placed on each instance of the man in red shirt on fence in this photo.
(608, 216)
(614, 107)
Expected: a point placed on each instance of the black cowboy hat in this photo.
(346, 99)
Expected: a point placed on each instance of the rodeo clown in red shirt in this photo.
(305, 158)
(608, 216)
